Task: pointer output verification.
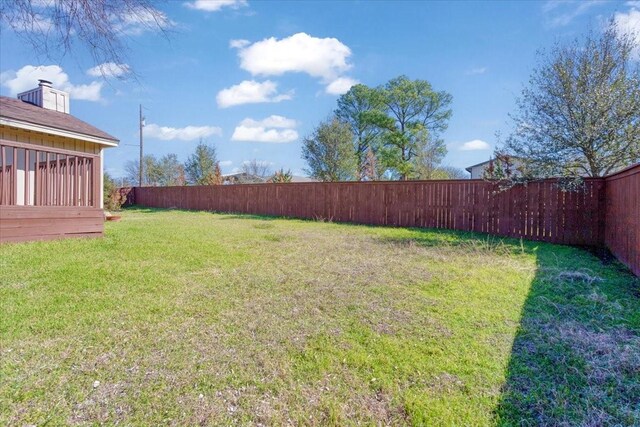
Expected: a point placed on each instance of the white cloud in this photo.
(43, 3)
(323, 58)
(276, 129)
(340, 85)
(251, 92)
(216, 5)
(226, 163)
(140, 20)
(187, 133)
(629, 23)
(260, 134)
(474, 145)
(273, 121)
(109, 69)
(27, 78)
(477, 70)
(36, 23)
(562, 13)
(238, 43)
(258, 162)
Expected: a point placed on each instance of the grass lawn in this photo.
(185, 318)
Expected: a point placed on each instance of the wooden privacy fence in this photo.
(622, 215)
(605, 212)
(539, 211)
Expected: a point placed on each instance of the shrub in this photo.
(281, 176)
(113, 199)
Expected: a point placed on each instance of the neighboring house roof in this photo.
(298, 178)
(243, 178)
(17, 113)
(479, 164)
(486, 162)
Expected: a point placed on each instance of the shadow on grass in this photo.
(248, 216)
(576, 356)
(144, 209)
(465, 239)
(575, 359)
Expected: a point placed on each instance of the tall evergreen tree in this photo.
(201, 165)
(415, 117)
(361, 108)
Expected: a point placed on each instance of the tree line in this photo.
(201, 168)
(388, 132)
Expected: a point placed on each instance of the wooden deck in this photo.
(27, 223)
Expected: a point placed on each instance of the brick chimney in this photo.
(46, 96)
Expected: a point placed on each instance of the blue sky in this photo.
(253, 78)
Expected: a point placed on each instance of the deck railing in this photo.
(48, 176)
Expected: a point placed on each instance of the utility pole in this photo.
(141, 168)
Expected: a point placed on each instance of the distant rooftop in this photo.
(244, 178)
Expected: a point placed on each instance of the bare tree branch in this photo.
(55, 27)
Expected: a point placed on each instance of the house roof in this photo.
(17, 113)
(479, 164)
(242, 176)
(298, 178)
(517, 158)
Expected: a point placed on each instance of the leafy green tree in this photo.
(329, 152)
(449, 172)
(157, 172)
(430, 154)
(580, 114)
(415, 116)
(170, 171)
(200, 167)
(362, 109)
(151, 175)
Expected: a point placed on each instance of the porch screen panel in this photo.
(47, 176)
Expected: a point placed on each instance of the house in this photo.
(50, 168)
(243, 178)
(477, 171)
(299, 178)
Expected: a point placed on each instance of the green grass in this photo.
(185, 318)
